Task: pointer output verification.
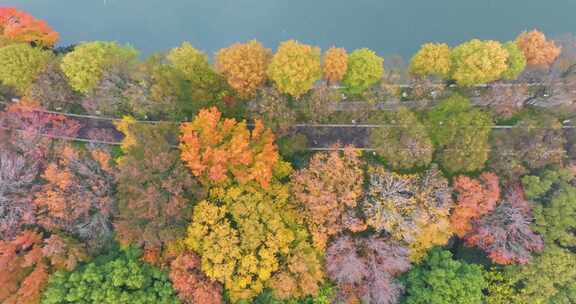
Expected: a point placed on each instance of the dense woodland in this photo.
(179, 178)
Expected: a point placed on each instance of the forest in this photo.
(294, 176)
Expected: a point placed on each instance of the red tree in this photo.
(26, 262)
(20, 26)
(192, 285)
(476, 197)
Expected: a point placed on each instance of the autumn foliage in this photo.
(154, 187)
(334, 64)
(537, 50)
(19, 26)
(27, 261)
(17, 175)
(216, 149)
(244, 66)
(295, 67)
(475, 198)
(328, 190)
(477, 61)
(505, 235)
(246, 234)
(191, 284)
(76, 197)
(364, 269)
(411, 208)
(431, 59)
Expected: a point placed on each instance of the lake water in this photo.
(386, 26)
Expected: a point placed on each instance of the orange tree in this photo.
(244, 66)
(19, 26)
(475, 198)
(335, 64)
(216, 149)
(295, 67)
(328, 190)
(76, 196)
(537, 49)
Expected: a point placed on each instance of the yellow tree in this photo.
(477, 62)
(431, 59)
(244, 66)
(295, 67)
(250, 238)
(335, 64)
(537, 50)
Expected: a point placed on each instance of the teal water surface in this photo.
(386, 26)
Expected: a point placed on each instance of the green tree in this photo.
(440, 279)
(365, 68)
(206, 85)
(477, 62)
(554, 207)
(116, 279)
(516, 61)
(404, 143)
(21, 64)
(536, 141)
(461, 133)
(431, 59)
(550, 278)
(501, 289)
(88, 62)
(295, 67)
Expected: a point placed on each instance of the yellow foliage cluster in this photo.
(478, 61)
(536, 49)
(295, 67)
(245, 233)
(431, 59)
(213, 149)
(244, 66)
(335, 64)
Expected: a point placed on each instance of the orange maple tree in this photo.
(476, 197)
(19, 26)
(244, 66)
(536, 49)
(335, 64)
(215, 149)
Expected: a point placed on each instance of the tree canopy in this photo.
(365, 69)
(295, 67)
